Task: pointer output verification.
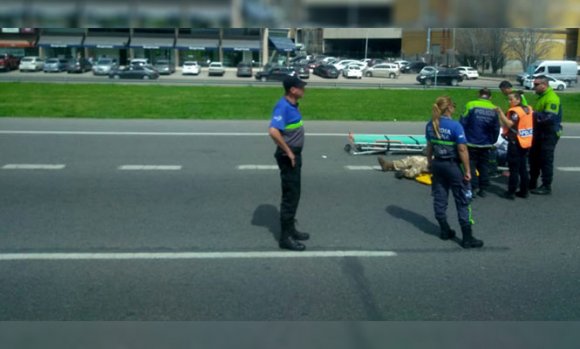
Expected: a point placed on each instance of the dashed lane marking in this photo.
(363, 168)
(150, 168)
(257, 167)
(33, 167)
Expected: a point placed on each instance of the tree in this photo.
(497, 48)
(529, 45)
(477, 46)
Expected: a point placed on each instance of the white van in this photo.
(566, 71)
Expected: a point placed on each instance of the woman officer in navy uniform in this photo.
(448, 160)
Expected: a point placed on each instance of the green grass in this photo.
(232, 103)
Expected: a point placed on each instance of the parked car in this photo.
(329, 60)
(566, 71)
(302, 71)
(401, 63)
(275, 74)
(139, 62)
(521, 77)
(191, 67)
(164, 66)
(428, 69)
(413, 67)
(326, 71)
(375, 61)
(468, 73)
(554, 83)
(383, 70)
(9, 62)
(244, 70)
(31, 63)
(440, 76)
(216, 68)
(353, 71)
(104, 66)
(55, 65)
(362, 65)
(134, 72)
(79, 65)
(342, 64)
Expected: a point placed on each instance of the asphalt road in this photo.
(194, 200)
(230, 79)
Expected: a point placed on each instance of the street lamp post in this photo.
(366, 42)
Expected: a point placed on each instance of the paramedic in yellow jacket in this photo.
(518, 129)
(408, 167)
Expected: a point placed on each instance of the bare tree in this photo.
(468, 46)
(497, 49)
(529, 45)
(478, 47)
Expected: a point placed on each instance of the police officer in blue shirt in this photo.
(448, 160)
(481, 124)
(287, 131)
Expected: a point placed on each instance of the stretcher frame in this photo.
(364, 144)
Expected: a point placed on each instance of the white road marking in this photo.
(192, 255)
(569, 169)
(107, 133)
(150, 168)
(363, 168)
(257, 167)
(33, 167)
(216, 134)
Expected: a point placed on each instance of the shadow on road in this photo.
(267, 216)
(420, 222)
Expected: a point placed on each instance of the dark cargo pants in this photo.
(479, 160)
(291, 178)
(542, 157)
(447, 175)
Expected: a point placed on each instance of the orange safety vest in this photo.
(525, 126)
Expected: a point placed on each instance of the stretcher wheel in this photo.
(347, 148)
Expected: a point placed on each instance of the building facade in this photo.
(228, 45)
(258, 45)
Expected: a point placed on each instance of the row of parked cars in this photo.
(327, 67)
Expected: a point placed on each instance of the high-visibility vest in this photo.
(525, 126)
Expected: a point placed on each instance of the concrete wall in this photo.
(362, 33)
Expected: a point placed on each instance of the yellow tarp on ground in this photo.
(424, 178)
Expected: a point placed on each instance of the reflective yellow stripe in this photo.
(294, 125)
(441, 142)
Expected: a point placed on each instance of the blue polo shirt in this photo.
(287, 119)
(481, 123)
(452, 134)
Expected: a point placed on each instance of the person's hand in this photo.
(292, 158)
(467, 176)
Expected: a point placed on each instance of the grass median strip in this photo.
(117, 101)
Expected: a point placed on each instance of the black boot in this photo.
(468, 240)
(542, 190)
(288, 242)
(446, 231)
(297, 235)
